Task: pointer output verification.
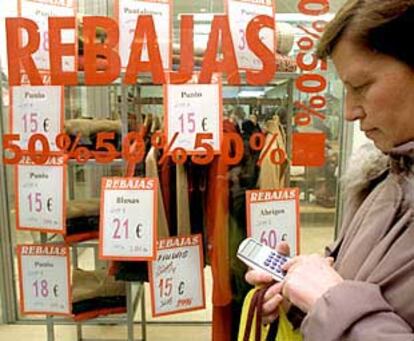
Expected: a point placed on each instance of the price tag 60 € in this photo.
(40, 199)
(273, 216)
(176, 277)
(128, 221)
(44, 279)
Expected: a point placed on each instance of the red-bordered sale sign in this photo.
(128, 220)
(44, 279)
(127, 13)
(37, 110)
(240, 13)
(191, 110)
(177, 277)
(41, 196)
(273, 216)
(39, 11)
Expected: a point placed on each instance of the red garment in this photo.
(217, 213)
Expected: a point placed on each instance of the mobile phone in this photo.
(262, 257)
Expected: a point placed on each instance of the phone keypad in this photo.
(274, 262)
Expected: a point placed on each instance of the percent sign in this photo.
(72, 149)
(317, 102)
(277, 155)
(178, 155)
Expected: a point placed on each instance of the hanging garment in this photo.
(151, 170)
(217, 225)
(183, 205)
(273, 175)
(95, 293)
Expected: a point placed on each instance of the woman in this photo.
(365, 289)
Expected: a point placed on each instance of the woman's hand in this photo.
(308, 278)
(273, 296)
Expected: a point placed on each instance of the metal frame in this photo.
(7, 285)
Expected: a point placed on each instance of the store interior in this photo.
(125, 108)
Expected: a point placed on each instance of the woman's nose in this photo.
(354, 113)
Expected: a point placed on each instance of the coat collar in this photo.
(402, 158)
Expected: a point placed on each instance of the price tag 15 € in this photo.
(40, 199)
(273, 216)
(177, 277)
(128, 220)
(194, 109)
(36, 110)
(44, 279)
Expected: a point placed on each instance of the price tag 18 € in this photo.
(128, 220)
(39, 11)
(240, 14)
(40, 199)
(273, 216)
(177, 277)
(44, 279)
(194, 109)
(37, 110)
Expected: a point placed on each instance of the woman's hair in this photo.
(380, 25)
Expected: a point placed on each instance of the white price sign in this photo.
(128, 223)
(37, 110)
(40, 199)
(128, 13)
(240, 13)
(193, 109)
(39, 11)
(177, 277)
(273, 216)
(44, 279)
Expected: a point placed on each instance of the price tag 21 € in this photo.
(176, 277)
(128, 221)
(44, 279)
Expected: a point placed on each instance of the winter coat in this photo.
(375, 255)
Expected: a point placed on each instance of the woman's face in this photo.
(379, 93)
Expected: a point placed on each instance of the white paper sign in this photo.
(193, 109)
(176, 277)
(40, 199)
(240, 13)
(39, 11)
(273, 216)
(129, 11)
(37, 110)
(44, 279)
(128, 224)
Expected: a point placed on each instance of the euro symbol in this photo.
(55, 290)
(49, 204)
(139, 235)
(181, 288)
(204, 124)
(46, 125)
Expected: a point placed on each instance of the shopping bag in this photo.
(285, 331)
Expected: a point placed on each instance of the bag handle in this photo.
(255, 308)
